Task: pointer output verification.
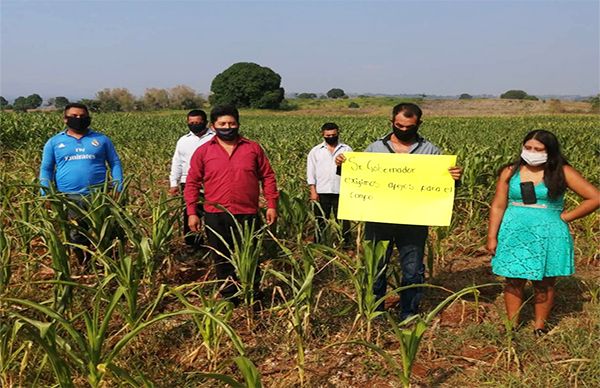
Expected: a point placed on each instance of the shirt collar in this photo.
(89, 132)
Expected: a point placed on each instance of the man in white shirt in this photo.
(322, 179)
(180, 165)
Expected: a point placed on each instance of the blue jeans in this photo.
(410, 242)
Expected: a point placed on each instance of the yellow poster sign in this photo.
(397, 188)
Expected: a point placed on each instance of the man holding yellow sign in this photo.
(399, 195)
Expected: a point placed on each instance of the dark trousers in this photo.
(192, 240)
(410, 241)
(223, 224)
(77, 224)
(329, 204)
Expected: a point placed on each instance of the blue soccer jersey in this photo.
(76, 164)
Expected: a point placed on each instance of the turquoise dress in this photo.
(533, 241)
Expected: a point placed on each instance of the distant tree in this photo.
(92, 105)
(335, 93)
(3, 102)
(34, 101)
(247, 84)
(307, 96)
(60, 102)
(21, 104)
(465, 96)
(184, 97)
(155, 99)
(353, 105)
(532, 98)
(514, 94)
(115, 100)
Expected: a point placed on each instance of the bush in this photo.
(307, 96)
(336, 93)
(514, 94)
(353, 105)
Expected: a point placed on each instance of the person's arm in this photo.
(114, 162)
(269, 184)
(47, 167)
(176, 171)
(311, 175)
(499, 204)
(587, 191)
(193, 183)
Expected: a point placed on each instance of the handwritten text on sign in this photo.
(397, 188)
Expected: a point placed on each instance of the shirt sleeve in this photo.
(47, 167)
(193, 182)
(176, 169)
(116, 171)
(267, 176)
(311, 168)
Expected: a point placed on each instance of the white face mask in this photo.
(534, 158)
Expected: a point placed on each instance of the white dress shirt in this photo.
(185, 148)
(320, 168)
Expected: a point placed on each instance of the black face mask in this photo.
(197, 129)
(405, 135)
(227, 134)
(79, 124)
(331, 140)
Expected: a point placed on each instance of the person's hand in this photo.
(173, 191)
(491, 245)
(340, 159)
(455, 172)
(194, 223)
(314, 196)
(271, 216)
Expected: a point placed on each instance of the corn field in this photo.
(146, 312)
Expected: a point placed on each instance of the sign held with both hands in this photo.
(397, 188)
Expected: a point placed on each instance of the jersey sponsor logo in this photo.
(79, 149)
(80, 157)
(61, 145)
(95, 143)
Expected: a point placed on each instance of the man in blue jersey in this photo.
(76, 159)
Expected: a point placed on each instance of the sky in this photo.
(76, 48)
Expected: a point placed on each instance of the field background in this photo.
(465, 345)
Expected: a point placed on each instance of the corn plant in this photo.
(88, 350)
(409, 334)
(363, 271)
(11, 349)
(295, 214)
(244, 256)
(212, 324)
(248, 370)
(299, 281)
(5, 260)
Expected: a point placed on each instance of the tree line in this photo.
(243, 84)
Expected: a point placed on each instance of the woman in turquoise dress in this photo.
(528, 232)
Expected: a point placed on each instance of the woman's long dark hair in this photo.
(554, 175)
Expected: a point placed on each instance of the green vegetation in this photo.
(247, 85)
(146, 312)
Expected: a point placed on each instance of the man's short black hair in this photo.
(196, 113)
(76, 105)
(224, 110)
(408, 109)
(329, 126)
